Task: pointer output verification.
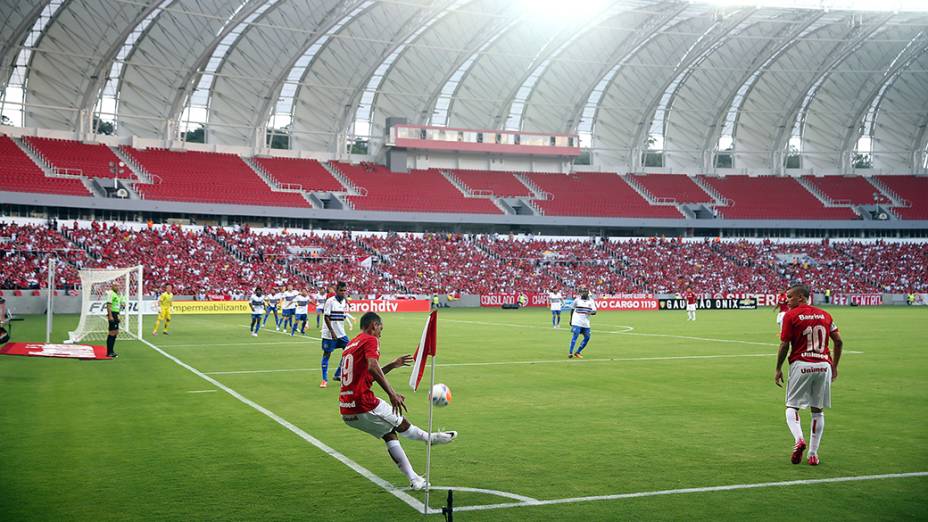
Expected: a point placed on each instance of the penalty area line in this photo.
(360, 470)
(710, 489)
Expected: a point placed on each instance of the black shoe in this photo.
(112, 355)
(337, 378)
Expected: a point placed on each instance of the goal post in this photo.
(95, 284)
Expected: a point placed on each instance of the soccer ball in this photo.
(440, 395)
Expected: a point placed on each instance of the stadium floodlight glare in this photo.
(561, 9)
(828, 5)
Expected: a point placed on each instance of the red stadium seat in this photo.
(208, 178)
(308, 173)
(913, 190)
(89, 160)
(601, 194)
(415, 191)
(18, 173)
(769, 197)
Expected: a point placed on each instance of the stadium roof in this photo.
(688, 78)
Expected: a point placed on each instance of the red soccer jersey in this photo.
(782, 303)
(356, 396)
(690, 298)
(807, 329)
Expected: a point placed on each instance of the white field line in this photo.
(627, 331)
(546, 361)
(202, 391)
(364, 472)
(733, 487)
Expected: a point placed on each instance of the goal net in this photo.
(95, 284)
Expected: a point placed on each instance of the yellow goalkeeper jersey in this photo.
(165, 300)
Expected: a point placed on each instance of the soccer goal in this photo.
(95, 284)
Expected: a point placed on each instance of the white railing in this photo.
(66, 172)
(289, 187)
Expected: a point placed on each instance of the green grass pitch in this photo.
(658, 403)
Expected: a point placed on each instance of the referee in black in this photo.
(114, 303)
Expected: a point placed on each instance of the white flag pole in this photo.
(49, 312)
(428, 447)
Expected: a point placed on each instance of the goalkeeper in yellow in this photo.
(165, 300)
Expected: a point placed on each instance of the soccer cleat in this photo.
(112, 355)
(444, 437)
(253, 334)
(796, 456)
(418, 483)
(578, 356)
(165, 333)
(813, 460)
(570, 356)
(155, 332)
(324, 384)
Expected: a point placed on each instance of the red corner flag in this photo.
(426, 347)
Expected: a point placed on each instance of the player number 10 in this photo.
(815, 338)
(347, 369)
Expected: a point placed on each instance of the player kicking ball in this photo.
(811, 368)
(362, 410)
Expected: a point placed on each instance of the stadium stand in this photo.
(440, 263)
(850, 190)
(207, 177)
(25, 251)
(18, 173)
(913, 190)
(84, 159)
(192, 261)
(769, 197)
(415, 191)
(595, 194)
(308, 173)
(210, 177)
(486, 182)
(216, 261)
(677, 187)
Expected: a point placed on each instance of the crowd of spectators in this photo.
(225, 262)
(24, 254)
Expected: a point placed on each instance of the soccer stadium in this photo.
(494, 260)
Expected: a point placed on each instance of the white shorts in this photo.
(809, 385)
(691, 307)
(378, 422)
(780, 318)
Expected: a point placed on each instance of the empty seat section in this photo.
(207, 177)
(415, 191)
(308, 173)
(771, 197)
(601, 194)
(912, 189)
(18, 173)
(850, 190)
(90, 160)
(500, 184)
(677, 187)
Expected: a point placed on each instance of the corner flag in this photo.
(426, 347)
